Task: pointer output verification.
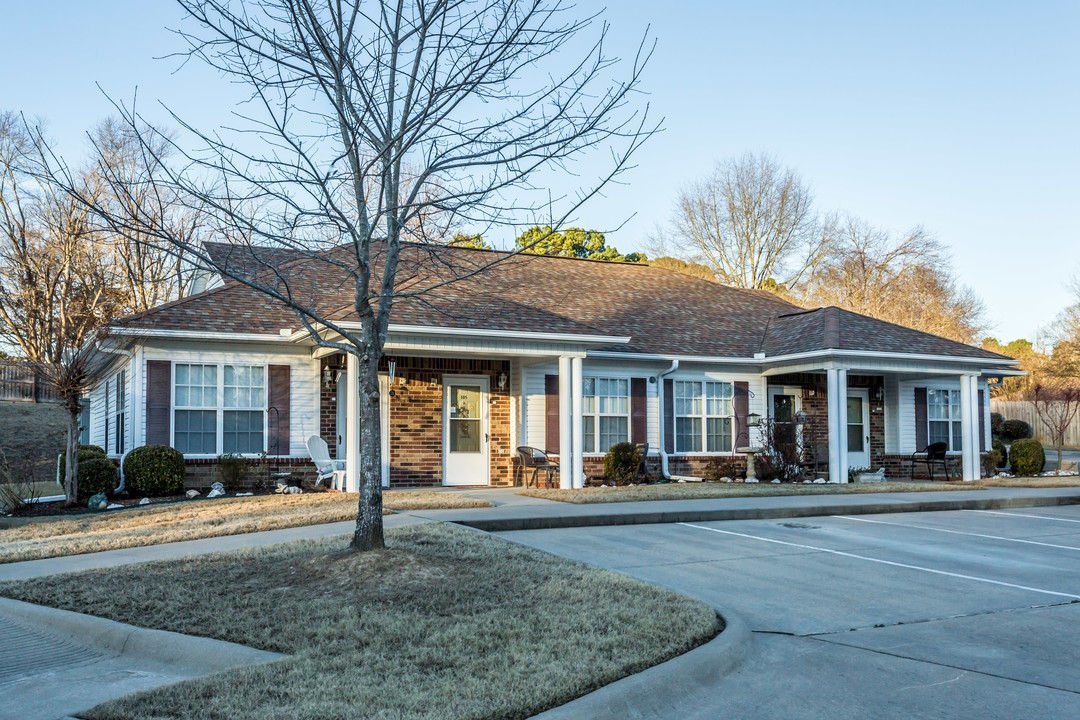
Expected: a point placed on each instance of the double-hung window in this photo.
(606, 413)
(226, 398)
(943, 415)
(703, 416)
(195, 402)
(119, 411)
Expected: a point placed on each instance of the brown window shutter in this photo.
(669, 415)
(551, 413)
(638, 413)
(741, 408)
(158, 400)
(278, 411)
(982, 421)
(922, 429)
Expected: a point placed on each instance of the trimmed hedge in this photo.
(1001, 454)
(1013, 430)
(86, 452)
(154, 471)
(1026, 457)
(622, 462)
(996, 421)
(96, 475)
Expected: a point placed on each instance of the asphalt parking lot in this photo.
(964, 614)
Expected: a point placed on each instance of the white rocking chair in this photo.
(326, 467)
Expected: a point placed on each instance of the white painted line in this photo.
(1010, 514)
(956, 532)
(885, 562)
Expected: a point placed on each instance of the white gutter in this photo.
(660, 412)
(201, 335)
(800, 356)
(480, 332)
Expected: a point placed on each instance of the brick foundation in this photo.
(203, 472)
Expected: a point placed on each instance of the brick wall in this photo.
(202, 473)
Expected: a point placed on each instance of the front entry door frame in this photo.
(859, 460)
(796, 408)
(467, 468)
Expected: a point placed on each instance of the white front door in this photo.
(384, 423)
(858, 428)
(465, 430)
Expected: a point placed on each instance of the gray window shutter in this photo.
(638, 412)
(741, 403)
(551, 413)
(922, 428)
(277, 420)
(158, 399)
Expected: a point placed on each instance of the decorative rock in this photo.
(293, 490)
(192, 494)
(682, 480)
(146, 501)
(751, 480)
(247, 494)
(820, 481)
(97, 502)
(725, 479)
(113, 506)
(833, 482)
(215, 493)
(775, 482)
(281, 488)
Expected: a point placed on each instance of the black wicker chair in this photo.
(537, 461)
(933, 455)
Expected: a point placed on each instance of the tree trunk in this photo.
(71, 461)
(369, 520)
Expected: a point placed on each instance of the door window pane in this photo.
(856, 441)
(465, 419)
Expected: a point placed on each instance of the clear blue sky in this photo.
(961, 116)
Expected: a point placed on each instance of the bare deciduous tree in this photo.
(752, 221)
(1057, 406)
(906, 279)
(365, 119)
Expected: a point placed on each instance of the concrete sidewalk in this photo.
(517, 512)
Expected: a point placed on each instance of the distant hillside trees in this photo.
(572, 242)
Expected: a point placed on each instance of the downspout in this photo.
(660, 411)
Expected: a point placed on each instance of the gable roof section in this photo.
(662, 311)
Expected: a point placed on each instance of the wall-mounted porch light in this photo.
(501, 380)
(753, 420)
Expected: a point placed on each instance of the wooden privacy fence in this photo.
(20, 383)
(1025, 410)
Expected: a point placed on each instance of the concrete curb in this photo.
(546, 522)
(186, 651)
(650, 692)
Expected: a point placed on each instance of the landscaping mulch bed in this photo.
(447, 623)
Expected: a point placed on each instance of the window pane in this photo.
(688, 434)
(719, 435)
(464, 435)
(242, 431)
(196, 386)
(687, 398)
(588, 386)
(612, 430)
(957, 437)
(939, 431)
(587, 433)
(196, 431)
(718, 398)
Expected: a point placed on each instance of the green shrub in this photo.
(996, 421)
(233, 470)
(86, 452)
(154, 471)
(1001, 454)
(96, 475)
(1026, 457)
(1013, 430)
(720, 467)
(622, 462)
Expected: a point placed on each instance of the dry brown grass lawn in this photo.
(446, 624)
(697, 491)
(194, 519)
(1033, 482)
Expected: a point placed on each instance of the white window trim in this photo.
(219, 406)
(703, 379)
(958, 420)
(597, 415)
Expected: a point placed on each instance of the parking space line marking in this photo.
(885, 562)
(1040, 517)
(956, 532)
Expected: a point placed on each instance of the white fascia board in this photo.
(825, 354)
(200, 335)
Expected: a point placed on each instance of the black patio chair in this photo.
(819, 454)
(538, 461)
(643, 469)
(934, 454)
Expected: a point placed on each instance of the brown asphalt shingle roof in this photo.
(662, 311)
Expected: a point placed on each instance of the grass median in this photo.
(700, 491)
(194, 519)
(446, 623)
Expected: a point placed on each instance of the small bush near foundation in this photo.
(154, 471)
(1000, 453)
(233, 470)
(765, 468)
(1026, 457)
(86, 452)
(996, 421)
(1013, 430)
(622, 463)
(719, 468)
(96, 475)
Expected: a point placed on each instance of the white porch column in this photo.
(565, 440)
(836, 396)
(577, 457)
(352, 423)
(969, 427)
